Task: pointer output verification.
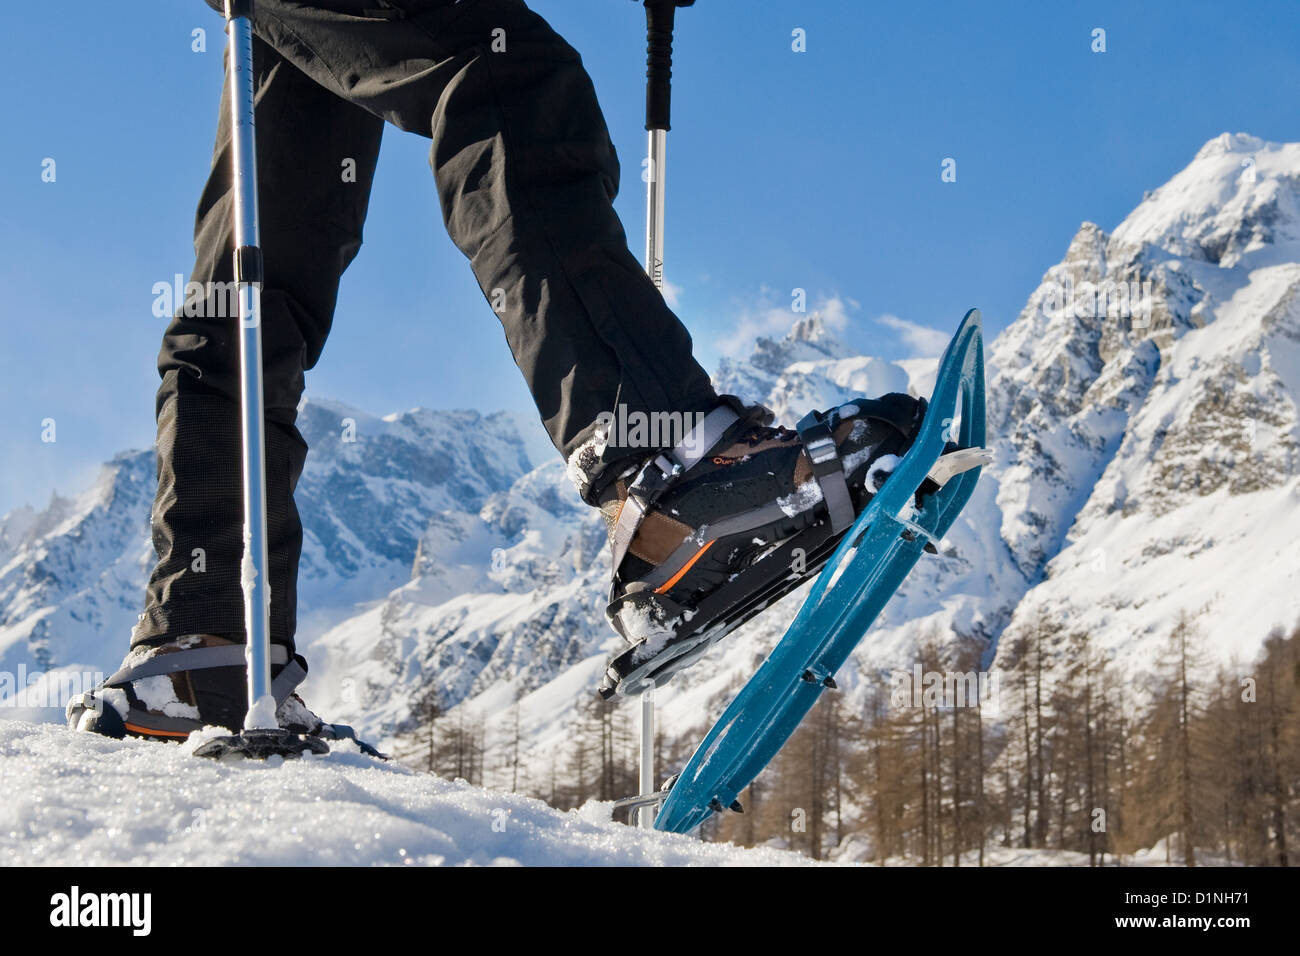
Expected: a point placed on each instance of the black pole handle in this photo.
(659, 15)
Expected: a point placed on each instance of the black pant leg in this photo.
(526, 175)
(316, 158)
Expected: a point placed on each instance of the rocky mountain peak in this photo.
(1239, 196)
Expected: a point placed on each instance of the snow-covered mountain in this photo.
(72, 576)
(1148, 461)
(1142, 412)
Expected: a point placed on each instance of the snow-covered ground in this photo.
(72, 799)
(69, 799)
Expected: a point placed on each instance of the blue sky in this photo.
(818, 170)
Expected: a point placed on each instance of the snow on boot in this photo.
(168, 691)
(737, 515)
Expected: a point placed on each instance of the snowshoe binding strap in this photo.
(194, 659)
(661, 472)
(290, 676)
(956, 462)
(819, 443)
(715, 616)
(291, 673)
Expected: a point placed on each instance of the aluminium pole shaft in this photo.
(659, 56)
(248, 276)
(654, 219)
(654, 267)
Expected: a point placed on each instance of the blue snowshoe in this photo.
(909, 515)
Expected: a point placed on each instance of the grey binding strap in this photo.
(193, 659)
(661, 472)
(699, 441)
(819, 445)
(290, 676)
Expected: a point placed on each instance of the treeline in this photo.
(1061, 752)
(600, 762)
(1055, 749)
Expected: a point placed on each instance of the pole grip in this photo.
(238, 8)
(659, 16)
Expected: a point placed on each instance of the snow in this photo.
(77, 799)
(158, 694)
(801, 499)
(261, 713)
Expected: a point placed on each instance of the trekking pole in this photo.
(248, 276)
(659, 16)
(262, 735)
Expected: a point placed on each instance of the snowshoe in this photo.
(916, 507)
(167, 692)
(733, 518)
